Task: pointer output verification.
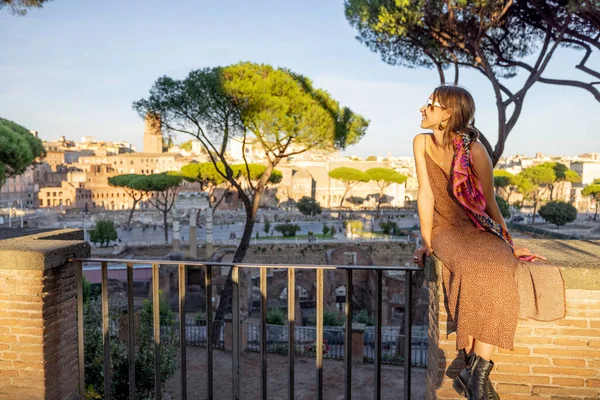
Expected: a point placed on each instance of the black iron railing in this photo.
(236, 350)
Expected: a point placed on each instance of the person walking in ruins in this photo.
(489, 283)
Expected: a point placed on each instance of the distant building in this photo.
(67, 195)
(589, 170)
(153, 140)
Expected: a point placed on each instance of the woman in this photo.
(485, 276)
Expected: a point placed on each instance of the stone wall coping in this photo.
(358, 327)
(43, 251)
(579, 261)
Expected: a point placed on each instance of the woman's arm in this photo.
(482, 164)
(425, 198)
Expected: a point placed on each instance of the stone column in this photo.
(358, 342)
(38, 316)
(209, 233)
(193, 249)
(176, 233)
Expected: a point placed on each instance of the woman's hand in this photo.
(420, 253)
(525, 252)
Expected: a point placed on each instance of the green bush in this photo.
(267, 227)
(363, 317)
(330, 318)
(103, 232)
(276, 316)
(309, 206)
(287, 229)
(144, 362)
(558, 213)
(388, 227)
(325, 229)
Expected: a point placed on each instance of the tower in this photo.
(152, 134)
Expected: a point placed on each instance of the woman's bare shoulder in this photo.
(419, 139)
(479, 150)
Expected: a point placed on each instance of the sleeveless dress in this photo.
(484, 282)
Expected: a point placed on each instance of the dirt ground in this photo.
(333, 378)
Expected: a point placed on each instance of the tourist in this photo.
(489, 282)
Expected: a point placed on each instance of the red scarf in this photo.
(468, 191)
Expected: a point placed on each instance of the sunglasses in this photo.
(432, 103)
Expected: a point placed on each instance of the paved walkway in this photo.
(333, 378)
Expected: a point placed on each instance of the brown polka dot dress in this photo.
(482, 277)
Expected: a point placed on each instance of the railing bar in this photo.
(348, 336)
(291, 293)
(105, 332)
(379, 295)
(156, 326)
(235, 320)
(263, 333)
(319, 342)
(182, 335)
(131, 331)
(209, 330)
(80, 339)
(407, 334)
(283, 266)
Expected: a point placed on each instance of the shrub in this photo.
(144, 363)
(287, 229)
(267, 226)
(363, 317)
(276, 316)
(558, 213)
(103, 232)
(388, 227)
(325, 229)
(330, 318)
(309, 206)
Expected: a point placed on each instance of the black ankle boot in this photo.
(464, 383)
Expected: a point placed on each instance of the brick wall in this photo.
(551, 360)
(38, 319)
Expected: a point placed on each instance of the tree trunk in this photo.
(344, 196)
(251, 211)
(165, 212)
(131, 212)
(551, 192)
(535, 204)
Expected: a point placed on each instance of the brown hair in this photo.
(462, 108)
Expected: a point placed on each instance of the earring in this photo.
(442, 126)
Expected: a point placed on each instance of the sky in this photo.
(74, 67)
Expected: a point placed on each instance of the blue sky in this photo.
(74, 67)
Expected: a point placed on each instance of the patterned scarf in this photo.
(468, 191)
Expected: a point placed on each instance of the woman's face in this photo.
(433, 113)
